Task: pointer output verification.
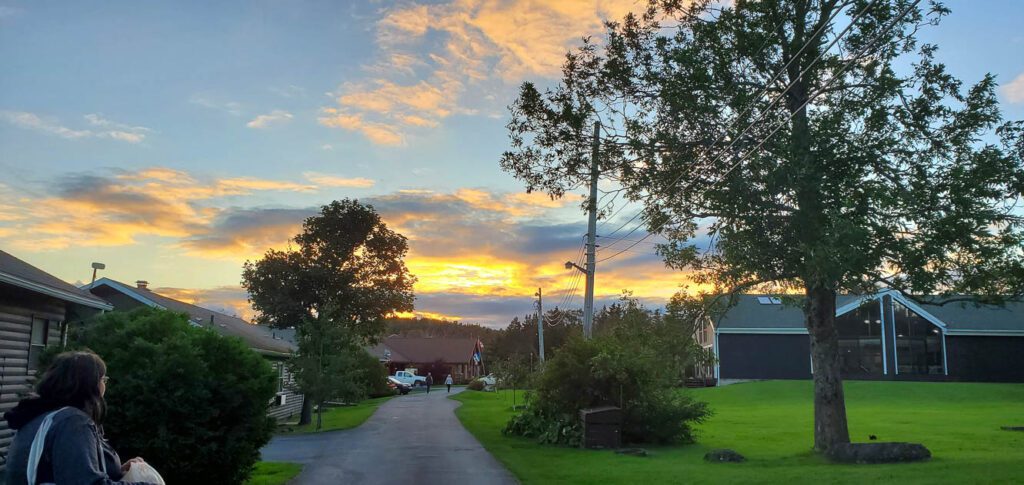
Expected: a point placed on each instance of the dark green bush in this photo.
(189, 401)
(623, 367)
(475, 385)
(376, 377)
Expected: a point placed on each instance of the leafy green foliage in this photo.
(625, 365)
(330, 364)
(188, 400)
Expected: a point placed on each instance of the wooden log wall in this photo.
(17, 308)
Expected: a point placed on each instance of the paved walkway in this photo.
(413, 439)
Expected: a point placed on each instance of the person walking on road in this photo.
(448, 382)
(430, 381)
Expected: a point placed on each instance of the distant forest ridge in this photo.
(431, 327)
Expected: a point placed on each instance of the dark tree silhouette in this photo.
(347, 270)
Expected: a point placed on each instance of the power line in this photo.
(793, 113)
(761, 93)
(760, 50)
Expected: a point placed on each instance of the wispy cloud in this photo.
(289, 91)
(273, 118)
(1014, 90)
(327, 180)
(100, 127)
(117, 131)
(230, 107)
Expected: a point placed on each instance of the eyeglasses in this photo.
(105, 379)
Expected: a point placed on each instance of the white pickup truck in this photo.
(409, 378)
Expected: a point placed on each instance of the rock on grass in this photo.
(870, 453)
(723, 456)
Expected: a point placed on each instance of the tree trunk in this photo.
(307, 411)
(829, 403)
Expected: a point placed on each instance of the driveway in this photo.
(413, 439)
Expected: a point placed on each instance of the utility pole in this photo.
(540, 324)
(588, 302)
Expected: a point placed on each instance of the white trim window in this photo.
(920, 343)
(38, 338)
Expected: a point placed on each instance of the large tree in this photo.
(347, 270)
(821, 147)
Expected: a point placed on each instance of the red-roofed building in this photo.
(460, 357)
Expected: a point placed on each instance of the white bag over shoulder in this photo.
(143, 472)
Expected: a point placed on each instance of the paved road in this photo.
(413, 439)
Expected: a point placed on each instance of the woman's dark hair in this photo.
(73, 379)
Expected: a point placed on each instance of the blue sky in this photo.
(263, 110)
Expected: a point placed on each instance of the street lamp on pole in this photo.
(571, 265)
(96, 266)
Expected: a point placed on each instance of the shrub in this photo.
(376, 377)
(189, 401)
(475, 385)
(623, 369)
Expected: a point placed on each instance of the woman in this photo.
(69, 407)
(448, 382)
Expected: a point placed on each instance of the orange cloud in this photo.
(485, 48)
(90, 210)
(478, 254)
(424, 314)
(230, 300)
(378, 133)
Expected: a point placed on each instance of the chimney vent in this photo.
(142, 284)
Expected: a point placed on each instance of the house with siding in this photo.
(882, 336)
(276, 346)
(35, 311)
(461, 357)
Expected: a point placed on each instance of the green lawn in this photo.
(273, 473)
(771, 424)
(344, 417)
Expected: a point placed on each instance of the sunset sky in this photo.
(174, 140)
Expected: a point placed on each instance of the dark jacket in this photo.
(72, 450)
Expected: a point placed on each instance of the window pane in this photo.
(918, 343)
(38, 331)
(860, 340)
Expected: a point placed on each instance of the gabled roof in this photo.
(16, 272)
(426, 350)
(257, 337)
(754, 314)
